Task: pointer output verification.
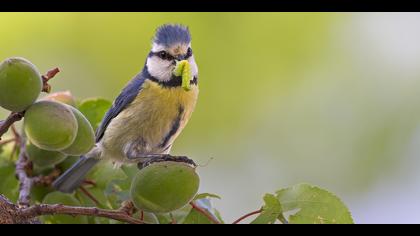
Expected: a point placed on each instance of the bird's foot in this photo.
(166, 157)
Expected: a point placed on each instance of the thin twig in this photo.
(4, 142)
(205, 213)
(141, 215)
(89, 182)
(12, 118)
(89, 195)
(15, 132)
(246, 216)
(173, 220)
(46, 180)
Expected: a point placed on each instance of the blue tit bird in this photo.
(150, 112)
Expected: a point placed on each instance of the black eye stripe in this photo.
(166, 56)
(189, 53)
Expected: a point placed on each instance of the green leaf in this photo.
(94, 109)
(314, 205)
(118, 191)
(130, 170)
(218, 216)
(9, 186)
(39, 192)
(97, 193)
(206, 195)
(105, 172)
(271, 211)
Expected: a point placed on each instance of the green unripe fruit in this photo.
(164, 187)
(63, 96)
(85, 138)
(65, 199)
(43, 158)
(20, 84)
(50, 125)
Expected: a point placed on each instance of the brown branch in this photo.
(26, 182)
(12, 118)
(12, 214)
(43, 209)
(246, 216)
(205, 213)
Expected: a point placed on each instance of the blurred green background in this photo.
(331, 99)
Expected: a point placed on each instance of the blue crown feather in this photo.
(170, 34)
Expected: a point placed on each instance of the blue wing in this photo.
(126, 96)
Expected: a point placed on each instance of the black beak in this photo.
(179, 58)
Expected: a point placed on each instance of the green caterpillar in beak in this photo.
(183, 69)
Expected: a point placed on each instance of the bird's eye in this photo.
(163, 55)
(189, 53)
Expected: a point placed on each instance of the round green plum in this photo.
(164, 187)
(44, 158)
(50, 125)
(20, 84)
(85, 138)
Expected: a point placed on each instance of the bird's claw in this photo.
(167, 157)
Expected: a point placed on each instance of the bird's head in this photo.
(171, 43)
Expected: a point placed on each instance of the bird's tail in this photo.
(73, 177)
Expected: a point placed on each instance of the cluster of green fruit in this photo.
(54, 127)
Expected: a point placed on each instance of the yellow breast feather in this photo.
(153, 113)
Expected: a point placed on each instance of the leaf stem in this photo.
(204, 213)
(246, 216)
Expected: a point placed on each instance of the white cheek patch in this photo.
(160, 69)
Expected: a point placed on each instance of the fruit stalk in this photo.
(45, 78)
